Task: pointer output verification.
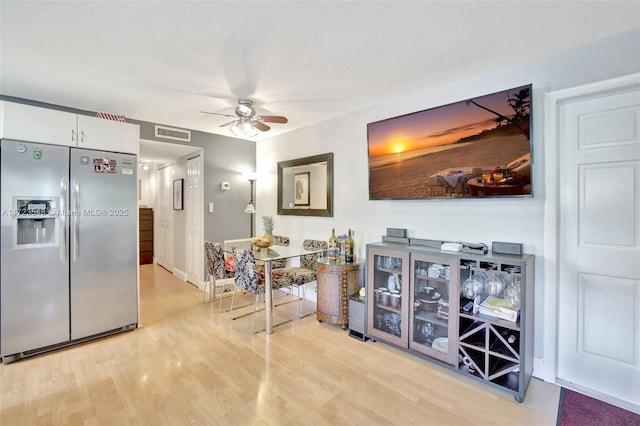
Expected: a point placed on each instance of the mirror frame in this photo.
(328, 212)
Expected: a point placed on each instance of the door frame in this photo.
(546, 368)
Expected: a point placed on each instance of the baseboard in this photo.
(179, 274)
(541, 371)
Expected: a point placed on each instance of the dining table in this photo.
(268, 255)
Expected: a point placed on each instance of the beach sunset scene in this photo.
(433, 153)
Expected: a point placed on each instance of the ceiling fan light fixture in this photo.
(244, 128)
(247, 123)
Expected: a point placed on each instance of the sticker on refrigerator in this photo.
(104, 165)
(126, 171)
(37, 153)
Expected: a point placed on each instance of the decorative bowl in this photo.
(261, 244)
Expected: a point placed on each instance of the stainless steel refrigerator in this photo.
(68, 263)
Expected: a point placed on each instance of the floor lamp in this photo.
(251, 209)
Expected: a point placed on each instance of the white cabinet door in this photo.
(40, 125)
(107, 135)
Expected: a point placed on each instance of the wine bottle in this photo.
(333, 251)
(348, 248)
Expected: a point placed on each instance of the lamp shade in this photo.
(250, 208)
(244, 128)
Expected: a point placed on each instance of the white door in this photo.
(599, 245)
(193, 211)
(163, 239)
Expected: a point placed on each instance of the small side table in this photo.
(477, 188)
(335, 284)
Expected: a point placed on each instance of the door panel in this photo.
(605, 185)
(599, 247)
(164, 218)
(34, 285)
(194, 243)
(103, 243)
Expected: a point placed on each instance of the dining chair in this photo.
(247, 278)
(306, 272)
(279, 278)
(215, 271)
(279, 240)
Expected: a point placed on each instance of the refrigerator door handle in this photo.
(63, 227)
(76, 207)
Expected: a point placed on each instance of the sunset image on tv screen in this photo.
(477, 147)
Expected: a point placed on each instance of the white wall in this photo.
(476, 220)
(147, 179)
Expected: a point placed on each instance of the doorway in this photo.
(169, 167)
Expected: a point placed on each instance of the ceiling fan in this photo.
(247, 122)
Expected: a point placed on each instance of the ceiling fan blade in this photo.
(260, 125)
(274, 119)
(217, 113)
(228, 124)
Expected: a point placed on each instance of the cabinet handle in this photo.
(73, 135)
(83, 137)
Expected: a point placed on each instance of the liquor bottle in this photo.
(348, 248)
(333, 251)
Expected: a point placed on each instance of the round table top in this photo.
(477, 188)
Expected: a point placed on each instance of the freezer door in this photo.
(103, 242)
(34, 281)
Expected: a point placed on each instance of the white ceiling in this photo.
(163, 62)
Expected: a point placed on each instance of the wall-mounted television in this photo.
(479, 147)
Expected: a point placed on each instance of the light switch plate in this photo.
(225, 186)
(210, 207)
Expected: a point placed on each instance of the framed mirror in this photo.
(305, 186)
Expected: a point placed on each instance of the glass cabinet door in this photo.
(433, 297)
(388, 295)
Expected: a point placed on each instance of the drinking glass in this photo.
(427, 330)
(513, 291)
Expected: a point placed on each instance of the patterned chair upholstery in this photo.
(279, 240)
(247, 278)
(305, 273)
(215, 271)
(278, 278)
(250, 278)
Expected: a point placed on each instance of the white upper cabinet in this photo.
(33, 124)
(107, 135)
(43, 125)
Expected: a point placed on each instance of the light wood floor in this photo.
(189, 364)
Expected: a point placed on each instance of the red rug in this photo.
(576, 409)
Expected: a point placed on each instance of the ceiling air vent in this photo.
(164, 132)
